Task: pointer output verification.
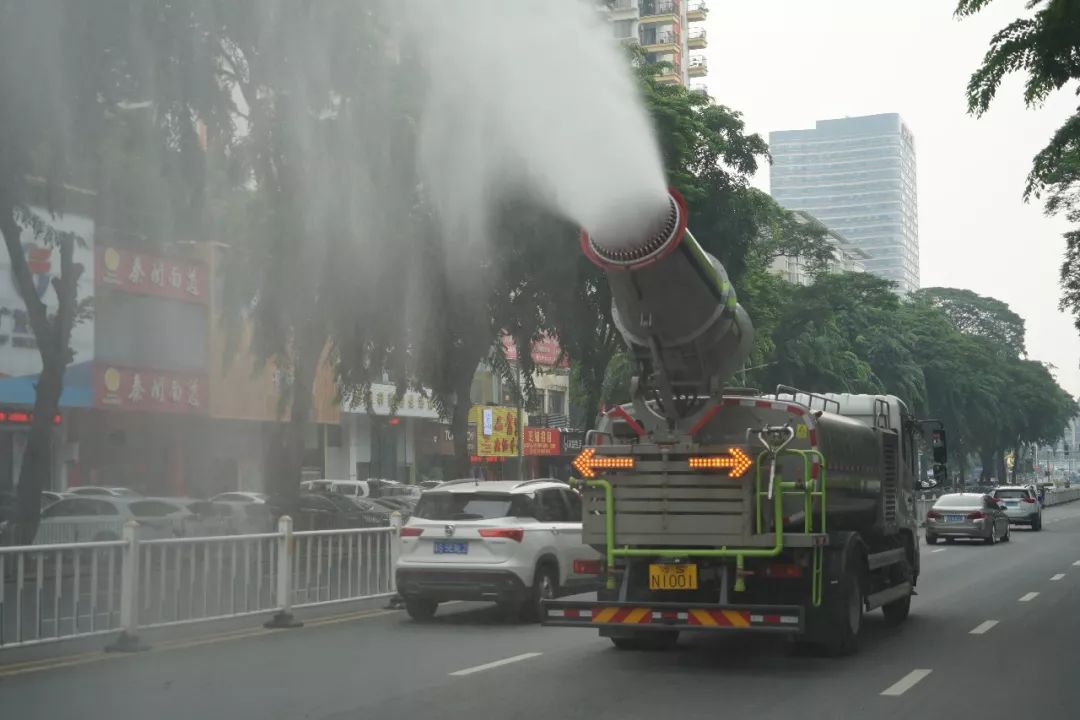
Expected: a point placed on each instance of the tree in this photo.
(1045, 48)
(68, 71)
(978, 315)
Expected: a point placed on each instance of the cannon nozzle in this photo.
(672, 301)
(639, 237)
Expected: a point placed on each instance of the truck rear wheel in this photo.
(662, 640)
(834, 628)
(897, 611)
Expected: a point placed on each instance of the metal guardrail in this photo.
(62, 591)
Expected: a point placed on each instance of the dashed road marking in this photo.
(938, 550)
(1057, 577)
(905, 683)
(983, 627)
(1077, 563)
(1029, 597)
(497, 663)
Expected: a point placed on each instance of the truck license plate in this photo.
(451, 548)
(672, 577)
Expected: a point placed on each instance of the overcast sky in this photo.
(786, 63)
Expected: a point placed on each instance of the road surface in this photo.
(994, 633)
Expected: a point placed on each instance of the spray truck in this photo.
(724, 509)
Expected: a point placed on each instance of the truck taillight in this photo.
(587, 567)
(783, 570)
(515, 534)
(977, 515)
(411, 532)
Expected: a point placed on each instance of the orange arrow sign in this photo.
(587, 463)
(734, 460)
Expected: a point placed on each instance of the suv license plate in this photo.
(954, 518)
(451, 548)
(672, 577)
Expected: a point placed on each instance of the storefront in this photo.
(395, 438)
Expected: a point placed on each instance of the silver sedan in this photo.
(967, 515)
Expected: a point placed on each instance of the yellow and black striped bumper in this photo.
(672, 616)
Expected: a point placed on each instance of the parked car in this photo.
(227, 517)
(324, 511)
(240, 497)
(93, 518)
(513, 542)
(1021, 505)
(95, 491)
(967, 515)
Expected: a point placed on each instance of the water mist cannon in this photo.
(673, 304)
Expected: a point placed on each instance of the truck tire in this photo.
(844, 615)
(897, 611)
(421, 609)
(654, 641)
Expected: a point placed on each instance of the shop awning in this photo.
(77, 388)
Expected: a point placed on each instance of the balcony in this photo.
(695, 39)
(700, 89)
(696, 10)
(654, 11)
(665, 40)
(671, 74)
(698, 66)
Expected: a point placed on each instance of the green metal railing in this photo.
(808, 489)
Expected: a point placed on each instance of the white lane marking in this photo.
(497, 663)
(938, 550)
(983, 627)
(1029, 597)
(906, 683)
(1077, 563)
(1057, 577)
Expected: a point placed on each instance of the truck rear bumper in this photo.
(672, 616)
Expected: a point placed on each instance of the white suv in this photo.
(1021, 505)
(514, 542)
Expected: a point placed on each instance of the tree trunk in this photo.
(459, 422)
(36, 472)
(52, 336)
(988, 464)
(305, 365)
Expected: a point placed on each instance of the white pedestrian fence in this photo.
(61, 591)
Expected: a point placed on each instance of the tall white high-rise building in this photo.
(857, 176)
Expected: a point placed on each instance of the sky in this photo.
(786, 63)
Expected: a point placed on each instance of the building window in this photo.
(556, 402)
(623, 29)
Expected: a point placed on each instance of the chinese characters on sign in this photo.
(545, 352)
(498, 430)
(541, 441)
(149, 390)
(148, 275)
(411, 404)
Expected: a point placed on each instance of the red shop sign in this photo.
(150, 275)
(541, 441)
(162, 391)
